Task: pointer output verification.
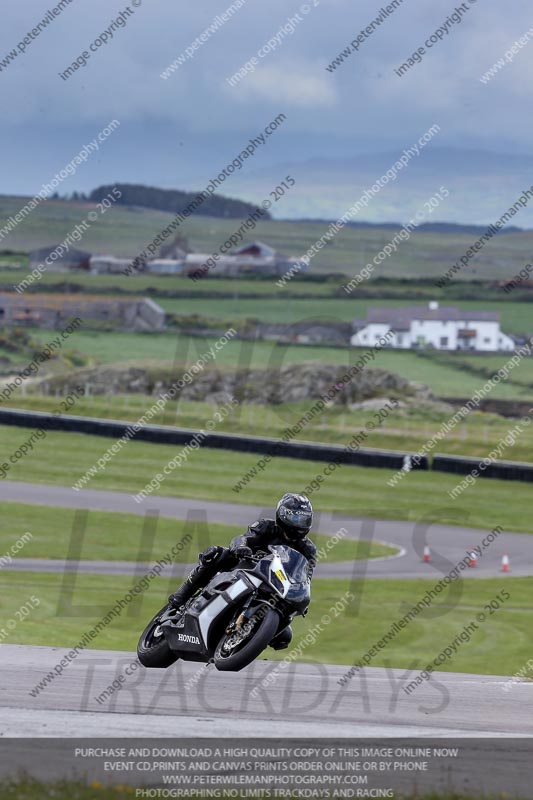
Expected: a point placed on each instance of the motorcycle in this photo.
(233, 619)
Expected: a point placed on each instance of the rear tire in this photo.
(153, 650)
(260, 639)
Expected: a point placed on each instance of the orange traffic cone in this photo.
(427, 554)
(473, 559)
(505, 563)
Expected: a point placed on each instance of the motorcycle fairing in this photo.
(272, 570)
(293, 582)
(192, 631)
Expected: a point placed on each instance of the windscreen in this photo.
(295, 564)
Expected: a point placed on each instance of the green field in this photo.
(126, 231)
(441, 376)
(406, 429)
(63, 458)
(240, 288)
(499, 647)
(10, 260)
(486, 365)
(119, 537)
(26, 788)
(515, 317)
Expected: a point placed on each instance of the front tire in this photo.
(244, 654)
(153, 650)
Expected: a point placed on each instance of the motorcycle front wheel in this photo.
(233, 658)
(153, 650)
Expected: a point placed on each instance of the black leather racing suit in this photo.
(215, 559)
(266, 531)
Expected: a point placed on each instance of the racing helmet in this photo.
(294, 515)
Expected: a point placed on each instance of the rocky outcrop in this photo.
(286, 384)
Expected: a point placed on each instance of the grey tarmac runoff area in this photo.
(307, 699)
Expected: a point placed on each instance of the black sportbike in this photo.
(233, 619)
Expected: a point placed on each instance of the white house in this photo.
(446, 328)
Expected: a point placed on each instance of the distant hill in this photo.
(173, 200)
(426, 227)
(228, 208)
(482, 186)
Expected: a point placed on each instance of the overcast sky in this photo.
(177, 132)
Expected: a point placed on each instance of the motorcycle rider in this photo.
(294, 518)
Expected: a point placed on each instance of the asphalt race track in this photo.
(190, 699)
(193, 700)
(449, 543)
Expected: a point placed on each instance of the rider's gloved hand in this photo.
(243, 552)
(210, 555)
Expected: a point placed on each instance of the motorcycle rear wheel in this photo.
(153, 650)
(248, 651)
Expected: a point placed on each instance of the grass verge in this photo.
(27, 788)
(408, 428)
(31, 789)
(63, 458)
(112, 536)
(500, 646)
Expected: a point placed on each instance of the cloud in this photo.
(368, 108)
(301, 85)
